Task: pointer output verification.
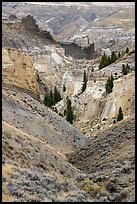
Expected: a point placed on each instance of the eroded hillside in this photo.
(44, 157)
(18, 70)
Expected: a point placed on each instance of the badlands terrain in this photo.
(44, 157)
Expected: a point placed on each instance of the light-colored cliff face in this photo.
(17, 69)
(122, 96)
(94, 104)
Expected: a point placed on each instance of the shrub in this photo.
(90, 187)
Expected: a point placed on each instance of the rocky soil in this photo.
(110, 155)
(45, 158)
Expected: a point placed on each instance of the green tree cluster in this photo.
(51, 99)
(69, 112)
(85, 79)
(120, 115)
(106, 59)
(109, 84)
(125, 69)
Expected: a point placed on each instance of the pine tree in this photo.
(64, 88)
(109, 84)
(69, 112)
(113, 56)
(84, 81)
(109, 60)
(47, 100)
(127, 50)
(57, 96)
(51, 98)
(125, 69)
(105, 61)
(119, 55)
(120, 115)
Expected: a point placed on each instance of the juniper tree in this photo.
(51, 98)
(127, 50)
(64, 88)
(47, 100)
(120, 115)
(109, 84)
(85, 79)
(104, 61)
(69, 112)
(119, 55)
(57, 96)
(113, 56)
(125, 69)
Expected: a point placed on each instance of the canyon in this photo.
(44, 157)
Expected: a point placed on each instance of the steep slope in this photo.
(56, 20)
(34, 143)
(44, 158)
(25, 34)
(74, 26)
(110, 154)
(126, 16)
(18, 70)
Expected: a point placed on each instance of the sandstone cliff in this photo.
(18, 70)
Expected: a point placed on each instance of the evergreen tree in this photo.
(109, 84)
(57, 96)
(127, 50)
(113, 56)
(119, 55)
(64, 88)
(51, 98)
(47, 100)
(109, 60)
(120, 114)
(105, 61)
(84, 81)
(69, 112)
(125, 69)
